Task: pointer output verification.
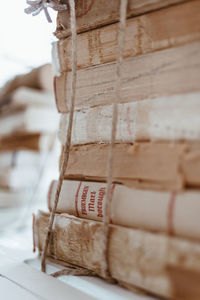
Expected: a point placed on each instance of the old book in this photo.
(155, 31)
(166, 118)
(163, 73)
(95, 13)
(39, 78)
(173, 213)
(154, 262)
(17, 178)
(26, 141)
(170, 166)
(24, 97)
(30, 120)
(22, 158)
(21, 169)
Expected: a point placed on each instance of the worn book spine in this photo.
(169, 166)
(174, 213)
(95, 13)
(174, 118)
(163, 73)
(180, 24)
(154, 262)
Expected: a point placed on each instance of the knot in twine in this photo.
(35, 7)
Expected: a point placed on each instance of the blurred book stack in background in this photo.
(28, 126)
(154, 238)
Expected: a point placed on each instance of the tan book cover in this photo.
(26, 141)
(20, 141)
(154, 262)
(163, 73)
(144, 34)
(95, 13)
(174, 213)
(169, 166)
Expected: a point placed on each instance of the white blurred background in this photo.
(25, 41)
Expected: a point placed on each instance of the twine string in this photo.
(35, 7)
(69, 132)
(74, 271)
(107, 206)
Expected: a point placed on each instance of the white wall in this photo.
(25, 41)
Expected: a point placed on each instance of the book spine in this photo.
(146, 260)
(165, 71)
(138, 121)
(38, 78)
(25, 96)
(177, 164)
(20, 141)
(155, 211)
(81, 199)
(95, 13)
(141, 37)
(139, 163)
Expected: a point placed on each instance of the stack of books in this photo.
(28, 123)
(154, 236)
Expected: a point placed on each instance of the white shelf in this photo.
(22, 279)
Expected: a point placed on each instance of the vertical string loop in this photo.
(69, 133)
(107, 205)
